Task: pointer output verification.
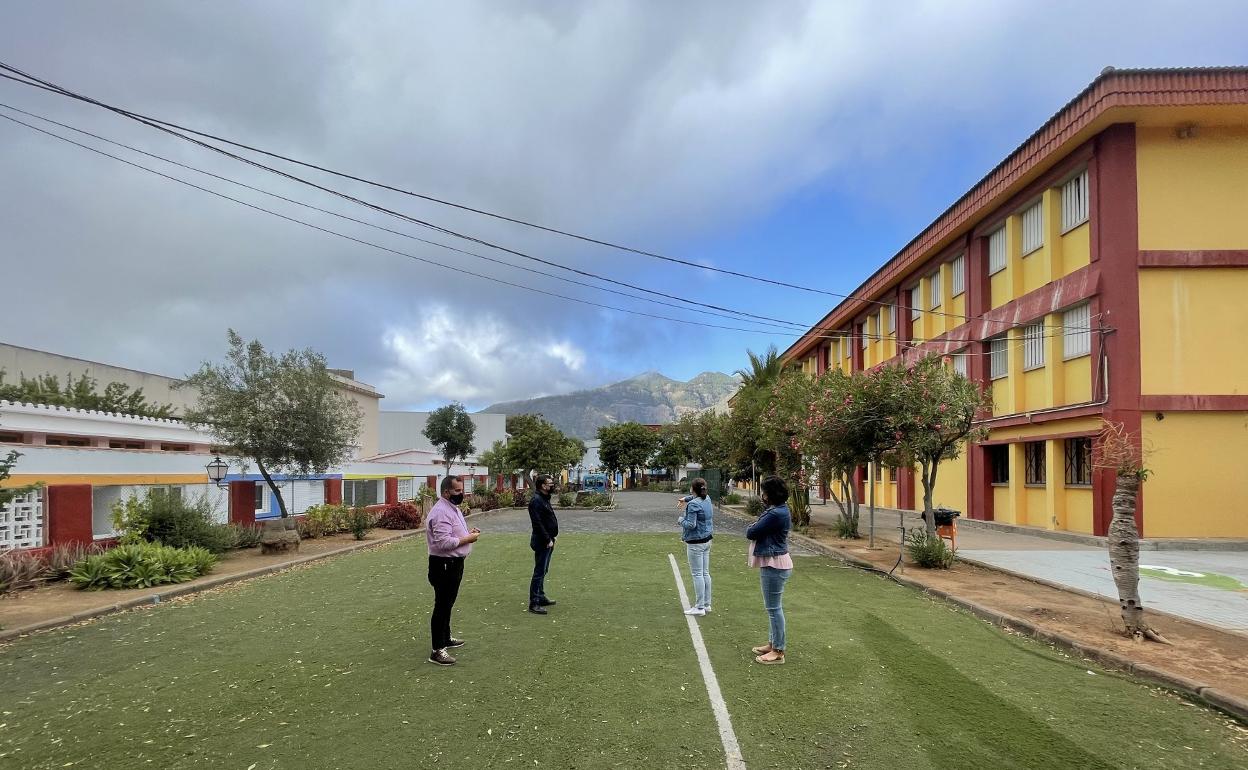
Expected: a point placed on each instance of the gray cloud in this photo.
(666, 125)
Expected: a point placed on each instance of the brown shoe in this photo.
(773, 658)
(441, 657)
(761, 649)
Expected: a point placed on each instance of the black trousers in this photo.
(445, 575)
(541, 565)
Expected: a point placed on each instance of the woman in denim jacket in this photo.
(769, 552)
(696, 527)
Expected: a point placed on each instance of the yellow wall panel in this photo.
(1037, 508)
(1076, 248)
(1198, 487)
(1079, 510)
(1000, 287)
(1035, 269)
(958, 308)
(1001, 509)
(1192, 191)
(950, 486)
(1035, 392)
(1188, 316)
(1077, 373)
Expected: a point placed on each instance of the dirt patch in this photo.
(58, 600)
(1216, 658)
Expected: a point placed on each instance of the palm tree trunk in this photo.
(1124, 559)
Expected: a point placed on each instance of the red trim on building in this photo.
(1115, 246)
(1112, 89)
(1194, 403)
(392, 490)
(69, 514)
(1210, 258)
(333, 491)
(1013, 421)
(242, 497)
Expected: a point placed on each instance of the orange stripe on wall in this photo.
(103, 480)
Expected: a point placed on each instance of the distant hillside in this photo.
(648, 398)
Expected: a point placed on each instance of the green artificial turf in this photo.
(324, 667)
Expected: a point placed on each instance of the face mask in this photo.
(457, 499)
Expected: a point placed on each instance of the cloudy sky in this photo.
(806, 141)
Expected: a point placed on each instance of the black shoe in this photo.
(537, 609)
(455, 642)
(441, 657)
(544, 602)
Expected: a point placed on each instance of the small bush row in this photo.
(399, 516)
(141, 565)
(928, 550)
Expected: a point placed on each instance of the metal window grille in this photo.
(996, 251)
(1077, 339)
(960, 360)
(862, 336)
(916, 305)
(1078, 462)
(957, 270)
(1075, 202)
(1033, 346)
(1033, 228)
(892, 317)
(933, 282)
(998, 358)
(1033, 462)
(21, 521)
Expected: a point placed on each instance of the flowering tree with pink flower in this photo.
(935, 409)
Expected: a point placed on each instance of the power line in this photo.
(169, 127)
(375, 226)
(393, 213)
(429, 261)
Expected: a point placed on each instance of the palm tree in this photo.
(764, 370)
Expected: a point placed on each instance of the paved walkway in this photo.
(1210, 587)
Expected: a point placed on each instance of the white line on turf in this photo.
(731, 749)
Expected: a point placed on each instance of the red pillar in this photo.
(69, 514)
(499, 486)
(905, 489)
(333, 491)
(432, 483)
(392, 490)
(243, 502)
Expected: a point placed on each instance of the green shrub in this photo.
(732, 498)
(598, 500)
(245, 535)
(506, 498)
(62, 558)
(20, 569)
(753, 506)
(846, 527)
(172, 520)
(360, 521)
(566, 500)
(141, 565)
(928, 550)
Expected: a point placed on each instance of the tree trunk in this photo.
(1124, 559)
(871, 508)
(929, 485)
(277, 493)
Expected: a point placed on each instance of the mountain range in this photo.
(649, 398)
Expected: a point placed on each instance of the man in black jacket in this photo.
(545, 530)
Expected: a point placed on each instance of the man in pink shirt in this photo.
(450, 541)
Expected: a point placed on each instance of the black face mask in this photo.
(457, 499)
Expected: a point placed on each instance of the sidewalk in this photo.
(1206, 586)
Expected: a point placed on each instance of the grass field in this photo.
(324, 667)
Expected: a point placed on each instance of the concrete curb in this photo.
(188, 589)
(1231, 704)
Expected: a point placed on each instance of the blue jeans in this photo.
(541, 565)
(773, 581)
(700, 569)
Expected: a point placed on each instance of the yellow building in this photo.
(1095, 273)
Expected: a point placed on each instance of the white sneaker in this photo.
(707, 609)
(695, 611)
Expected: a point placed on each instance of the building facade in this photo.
(1094, 274)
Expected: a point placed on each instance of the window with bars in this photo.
(916, 304)
(1033, 463)
(359, 492)
(259, 497)
(960, 360)
(933, 284)
(67, 441)
(1078, 462)
(1033, 346)
(999, 463)
(11, 438)
(998, 357)
(957, 274)
(1033, 228)
(891, 310)
(862, 336)
(996, 251)
(1075, 202)
(1077, 332)
(117, 443)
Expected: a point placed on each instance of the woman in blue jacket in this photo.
(769, 553)
(696, 528)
